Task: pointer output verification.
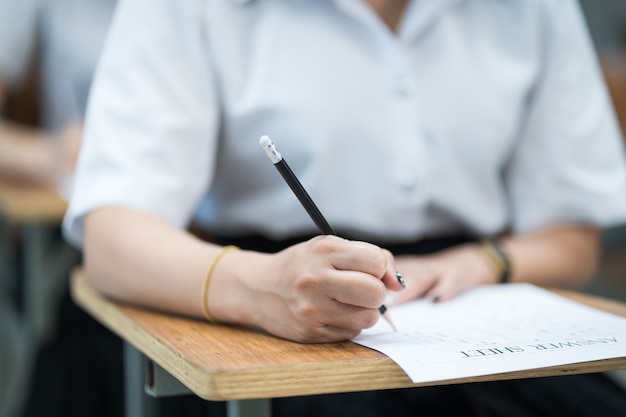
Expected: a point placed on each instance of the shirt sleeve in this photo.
(152, 117)
(18, 31)
(569, 164)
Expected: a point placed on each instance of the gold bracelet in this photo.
(207, 280)
(498, 259)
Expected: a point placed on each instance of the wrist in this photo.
(498, 259)
(234, 293)
(207, 279)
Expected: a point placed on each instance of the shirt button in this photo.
(407, 179)
(402, 86)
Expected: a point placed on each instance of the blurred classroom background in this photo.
(607, 23)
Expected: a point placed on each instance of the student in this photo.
(47, 37)
(27, 154)
(419, 127)
(58, 40)
(31, 156)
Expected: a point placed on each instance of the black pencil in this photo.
(316, 215)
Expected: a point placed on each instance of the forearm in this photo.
(31, 155)
(564, 256)
(138, 258)
(322, 290)
(25, 154)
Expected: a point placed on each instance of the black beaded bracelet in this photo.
(498, 258)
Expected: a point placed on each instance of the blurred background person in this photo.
(54, 43)
(607, 23)
(50, 48)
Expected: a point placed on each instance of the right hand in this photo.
(59, 155)
(67, 144)
(322, 290)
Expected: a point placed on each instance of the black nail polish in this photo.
(400, 279)
(436, 299)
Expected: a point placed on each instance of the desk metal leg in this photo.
(145, 379)
(47, 262)
(16, 360)
(33, 250)
(8, 273)
(160, 383)
(12, 364)
(138, 403)
(249, 408)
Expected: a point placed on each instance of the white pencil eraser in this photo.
(270, 149)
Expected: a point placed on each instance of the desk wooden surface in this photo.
(22, 203)
(225, 363)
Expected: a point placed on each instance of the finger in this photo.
(354, 288)
(392, 278)
(371, 264)
(436, 295)
(350, 255)
(323, 334)
(417, 287)
(445, 289)
(308, 333)
(352, 318)
(355, 270)
(331, 322)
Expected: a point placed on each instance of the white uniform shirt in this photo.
(479, 116)
(17, 20)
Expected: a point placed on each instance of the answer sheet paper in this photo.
(494, 329)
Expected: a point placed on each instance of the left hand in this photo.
(441, 276)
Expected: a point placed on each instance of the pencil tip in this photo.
(388, 320)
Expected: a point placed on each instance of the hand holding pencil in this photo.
(317, 217)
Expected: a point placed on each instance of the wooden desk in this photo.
(225, 363)
(31, 204)
(34, 215)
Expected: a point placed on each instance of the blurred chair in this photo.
(614, 68)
